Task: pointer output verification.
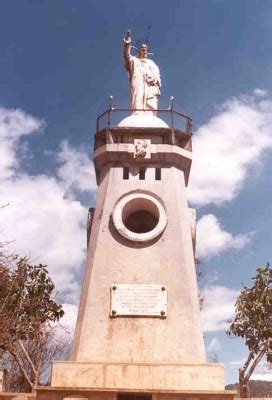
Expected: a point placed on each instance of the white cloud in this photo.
(261, 92)
(227, 147)
(262, 377)
(212, 277)
(70, 316)
(216, 313)
(214, 346)
(237, 363)
(14, 123)
(76, 171)
(212, 239)
(41, 220)
(263, 371)
(42, 223)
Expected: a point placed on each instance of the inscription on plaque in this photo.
(138, 300)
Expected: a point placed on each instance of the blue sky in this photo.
(60, 60)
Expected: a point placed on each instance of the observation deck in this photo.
(163, 139)
(168, 127)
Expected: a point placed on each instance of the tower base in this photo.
(138, 376)
(71, 393)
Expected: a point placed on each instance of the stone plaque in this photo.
(138, 300)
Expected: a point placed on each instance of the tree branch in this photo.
(27, 357)
(37, 375)
(246, 364)
(255, 363)
(22, 368)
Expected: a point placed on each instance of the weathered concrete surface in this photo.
(143, 120)
(47, 393)
(140, 354)
(17, 396)
(138, 376)
(164, 154)
(167, 260)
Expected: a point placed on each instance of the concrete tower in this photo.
(138, 325)
(138, 328)
(141, 237)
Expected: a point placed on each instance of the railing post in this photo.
(189, 125)
(111, 107)
(171, 107)
(97, 123)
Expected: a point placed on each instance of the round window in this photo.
(139, 217)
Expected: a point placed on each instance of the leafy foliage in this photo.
(253, 322)
(27, 308)
(253, 319)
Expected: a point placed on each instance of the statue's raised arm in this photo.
(126, 50)
(144, 77)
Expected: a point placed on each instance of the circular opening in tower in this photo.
(139, 216)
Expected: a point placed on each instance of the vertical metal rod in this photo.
(189, 124)
(97, 123)
(171, 105)
(110, 108)
(110, 102)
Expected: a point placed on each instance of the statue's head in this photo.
(143, 48)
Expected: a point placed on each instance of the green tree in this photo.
(27, 309)
(253, 322)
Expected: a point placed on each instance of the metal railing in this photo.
(174, 119)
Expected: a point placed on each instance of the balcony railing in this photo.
(174, 119)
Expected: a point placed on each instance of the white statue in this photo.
(144, 77)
